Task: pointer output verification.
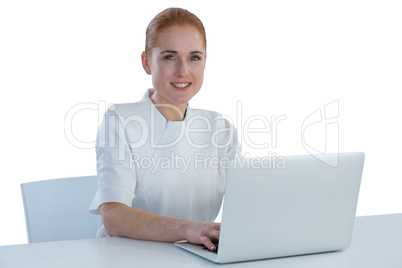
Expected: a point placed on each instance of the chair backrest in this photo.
(58, 209)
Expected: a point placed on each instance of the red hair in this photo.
(171, 17)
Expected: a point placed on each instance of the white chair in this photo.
(58, 209)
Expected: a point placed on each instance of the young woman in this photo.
(162, 164)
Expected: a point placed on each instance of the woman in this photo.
(161, 164)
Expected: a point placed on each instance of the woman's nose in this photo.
(182, 69)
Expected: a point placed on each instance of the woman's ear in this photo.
(145, 62)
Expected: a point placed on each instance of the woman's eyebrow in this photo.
(169, 51)
(175, 52)
(196, 52)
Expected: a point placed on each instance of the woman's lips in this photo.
(181, 86)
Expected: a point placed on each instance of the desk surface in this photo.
(377, 242)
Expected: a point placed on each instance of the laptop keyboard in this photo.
(216, 246)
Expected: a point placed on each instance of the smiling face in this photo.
(176, 63)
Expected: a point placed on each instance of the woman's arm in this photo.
(122, 220)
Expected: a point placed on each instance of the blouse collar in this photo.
(146, 97)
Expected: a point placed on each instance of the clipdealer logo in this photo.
(320, 133)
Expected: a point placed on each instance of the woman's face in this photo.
(177, 64)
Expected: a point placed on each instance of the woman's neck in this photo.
(171, 111)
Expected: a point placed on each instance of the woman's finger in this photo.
(214, 234)
(207, 243)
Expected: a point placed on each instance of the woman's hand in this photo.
(206, 233)
(121, 220)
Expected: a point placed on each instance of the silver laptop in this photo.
(303, 205)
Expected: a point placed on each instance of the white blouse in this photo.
(170, 168)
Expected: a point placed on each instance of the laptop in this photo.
(302, 206)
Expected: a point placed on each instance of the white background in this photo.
(280, 58)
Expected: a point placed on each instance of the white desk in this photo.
(377, 242)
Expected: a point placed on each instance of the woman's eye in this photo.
(168, 57)
(195, 58)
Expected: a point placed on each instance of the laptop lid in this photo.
(301, 206)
